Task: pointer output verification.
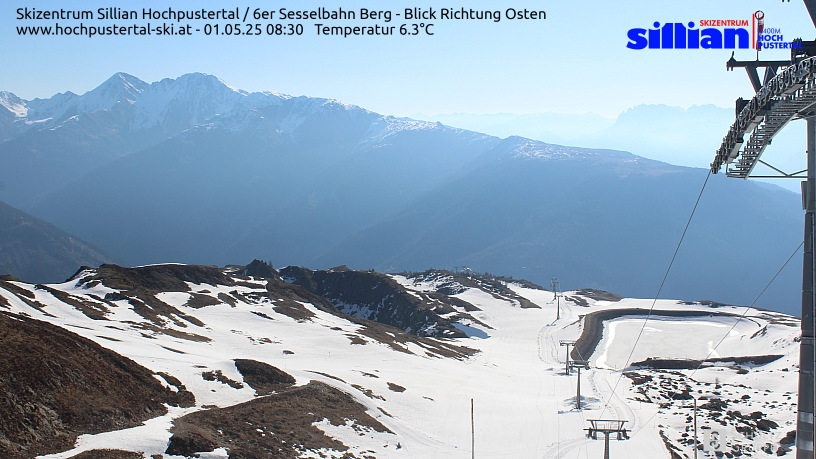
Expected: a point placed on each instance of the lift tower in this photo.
(781, 97)
(607, 427)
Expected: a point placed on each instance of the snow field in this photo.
(523, 401)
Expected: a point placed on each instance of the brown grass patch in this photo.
(199, 300)
(368, 392)
(91, 309)
(227, 299)
(171, 332)
(262, 377)
(279, 425)
(260, 314)
(56, 385)
(396, 387)
(173, 350)
(108, 454)
(326, 375)
(22, 294)
(218, 376)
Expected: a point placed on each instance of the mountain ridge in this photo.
(316, 181)
(36, 251)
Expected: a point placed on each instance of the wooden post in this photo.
(472, 433)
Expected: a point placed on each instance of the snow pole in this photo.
(472, 433)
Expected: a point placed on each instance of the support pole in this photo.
(578, 396)
(607, 427)
(567, 369)
(567, 343)
(695, 428)
(804, 424)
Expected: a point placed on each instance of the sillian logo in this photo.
(710, 34)
(717, 34)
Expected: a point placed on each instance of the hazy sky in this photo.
(575, 61)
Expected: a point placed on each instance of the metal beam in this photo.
(770, 72)
(778, 176)
(754, 77)
(754, 64)
(805, 440)
(811, 7)
(783, 174)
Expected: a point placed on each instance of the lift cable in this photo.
(651, 308)
(729, 330)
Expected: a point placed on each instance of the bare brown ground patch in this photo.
(16, 289)
(93, 310)
(279, 425)
(22, 294)
(108, 454)
(200, 300)
(56, 385)
(262, 377)
(398, 339)
(260, 314)
(218, 376)
(158, 278)
(174, 350)
(171, 332)
(326, 375)
(108, 338)
(599, 295)
(368, 392)
(396, 387)
(355, 339)
(294, 310)
(227, 299)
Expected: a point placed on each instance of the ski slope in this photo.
(524, 403)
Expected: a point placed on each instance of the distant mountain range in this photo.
(680, 136)
(192, 170)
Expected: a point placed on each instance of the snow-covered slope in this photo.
(192, 323)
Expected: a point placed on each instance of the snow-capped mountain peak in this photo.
(14, 104)
(120, 87)
(171, 104)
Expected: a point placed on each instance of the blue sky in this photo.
(575, 61)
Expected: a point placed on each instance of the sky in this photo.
(574, 61)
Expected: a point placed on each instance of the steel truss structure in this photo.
(784, 96)
(789, 95)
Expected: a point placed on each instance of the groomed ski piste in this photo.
(524, 405)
